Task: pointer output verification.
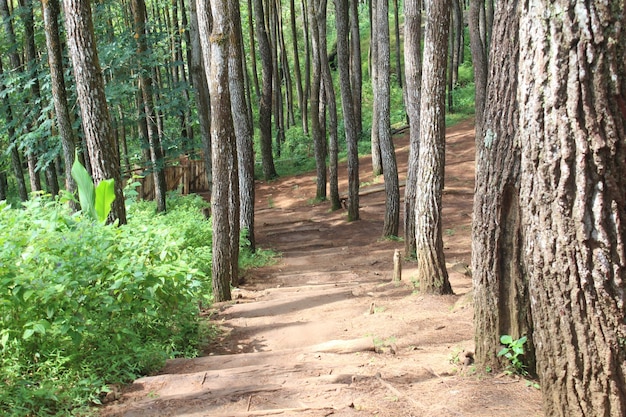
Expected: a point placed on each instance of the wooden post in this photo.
(397, 266)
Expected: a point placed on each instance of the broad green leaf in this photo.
(506, 339)
(105, 195)
(28, 333)
(86, 191)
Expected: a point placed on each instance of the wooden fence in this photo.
(184, 174)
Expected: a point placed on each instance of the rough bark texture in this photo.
(572, 101)
(265, 104)
(431, 266)
(51, 10)
(413, 80)
(501, 302)
(382, 97)
(296, 64)
(223, 142)
(145, 85)
(343, 63)
(243, 127)
(105, 162)
(377, 159)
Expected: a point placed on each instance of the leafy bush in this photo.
(83, 305)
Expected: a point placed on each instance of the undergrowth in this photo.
(84, 305)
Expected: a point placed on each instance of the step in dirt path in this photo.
(324, 331)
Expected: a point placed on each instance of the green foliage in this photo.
(83, 305)
(95, 202)
(513, 350)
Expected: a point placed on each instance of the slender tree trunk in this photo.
(265, 104)
(572, 113)
(201, 87)
(347, 104)
(145, 85)
(396, 27)
(479, 58)
(356, 70)
(413, 68)
(243, 128)
(285, 72)
(331, 103)
(316, 128)
(431, 266)
(51, 10)
(296, 63)
(307, 62)
(96, 121)
(383, 90)
(377, 159)
(255, 75)
(16, 162)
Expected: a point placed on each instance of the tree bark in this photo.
(501, 302)
(223, 142)
(396, 27)
(377, 159)
(572, 104)
(265, 104)
(431, 266)
(356, 70)
(243, 128)
(382, 97)
(202, 96)
(296, 63)
(51, 10)
(145, 85)
(316, 128)
(413, 69)
(347, 103)
(479, 59)
(96, 121)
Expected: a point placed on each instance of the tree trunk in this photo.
(356, 70)
(96, 121)
(347, 103)
(201, 87)
(331, 103)
(243, 128)
(431, 266)
(501, 302)
(16, 162)
(316, 128)
(396, 27)
(265, 104)
(255, 75)
(307, 61)
(572, 104)
(479, 59)
(145, 85)
(223, 142)
(377, 159)
(51, 10)
(383, 90)
(296, 63)
(413, 69)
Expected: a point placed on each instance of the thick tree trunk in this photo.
(572, 104)
(223, 142)
(347, 103)
(382, 97)
(431, 266)
(501, 302)
(51, 10)
(243, 128)
(265, 104)
(96, 121)
(413, 87)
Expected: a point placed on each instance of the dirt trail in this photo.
(326, 332)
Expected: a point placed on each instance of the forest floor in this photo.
(325, 331)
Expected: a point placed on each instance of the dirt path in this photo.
(326, 332)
